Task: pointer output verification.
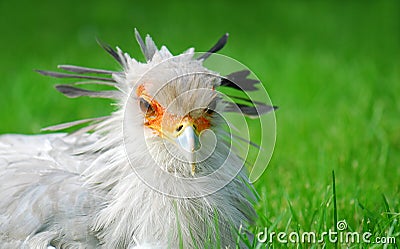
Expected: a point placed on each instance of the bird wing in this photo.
(42, 192)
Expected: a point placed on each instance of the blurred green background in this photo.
(332, 66)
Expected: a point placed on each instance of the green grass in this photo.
(332, 66)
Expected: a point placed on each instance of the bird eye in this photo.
(208, 111)
(146, 107)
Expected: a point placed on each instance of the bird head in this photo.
(178, 115)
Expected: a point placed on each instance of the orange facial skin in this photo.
(166, 124)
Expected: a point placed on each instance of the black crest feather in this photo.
(238, 80)
(116, 54)
(75, 76)
(217, 47)
(74, 92)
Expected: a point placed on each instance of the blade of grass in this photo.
(178, 226)
(386, 204)
(216, 224)
(335, 217)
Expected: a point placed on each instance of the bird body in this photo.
(42, 192)
(149, 175)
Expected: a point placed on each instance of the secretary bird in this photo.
(159, 172)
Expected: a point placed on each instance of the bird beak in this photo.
(189, 142)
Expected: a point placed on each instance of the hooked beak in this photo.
(189, 142)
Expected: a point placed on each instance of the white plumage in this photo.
(123, 181)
